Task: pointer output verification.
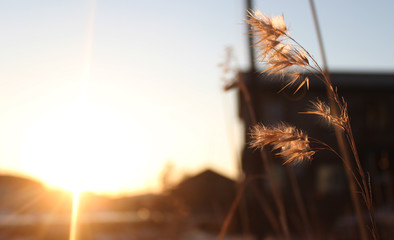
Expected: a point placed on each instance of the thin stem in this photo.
(319, 35)
(268, 211)
(276, 194)
(366, 187)
(327, 147)
(231, 213)
(339, 135)
(271, 180)
(248, 100)
(300, 202)
(236, 202)
(309, 55)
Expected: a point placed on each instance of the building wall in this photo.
(322, 181)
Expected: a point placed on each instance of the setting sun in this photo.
(83, 147)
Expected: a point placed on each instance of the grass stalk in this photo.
(282, 53)
(267, 167)
(333, 98)
(231, 212)
(300, 203)
(237, 201)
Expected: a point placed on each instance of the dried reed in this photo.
(282, 54)
(293, 144)
(323, 110)
(276, 193)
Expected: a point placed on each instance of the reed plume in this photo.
(323, 110)
(278, 49)
(284, 55)
(292, 143)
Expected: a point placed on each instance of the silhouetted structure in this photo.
(370, 99)
(16, 192)
(208, 195)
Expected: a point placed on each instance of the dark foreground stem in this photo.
(334, 103)
(267, 167)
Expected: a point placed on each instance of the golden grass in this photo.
(284, 56)
(292, 143)
(277, 49)
(323, 110)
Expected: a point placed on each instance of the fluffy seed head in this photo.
(293, 144)
(321, 109)
(275, 47)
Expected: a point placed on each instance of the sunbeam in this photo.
(74, 216)
(84, 104)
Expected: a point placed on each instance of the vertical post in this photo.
(340, 136)
(252, 67)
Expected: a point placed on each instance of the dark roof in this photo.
(17, 182)
(205, 177)
(204, 190)
(343, 80)
(363, 80)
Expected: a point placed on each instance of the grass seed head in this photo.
(292, 144)
(275, 47)
(323, 110)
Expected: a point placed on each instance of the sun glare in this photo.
(74, 216)
(84, 147)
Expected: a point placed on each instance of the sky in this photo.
(103, 95)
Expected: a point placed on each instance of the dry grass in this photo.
(293, 144)
(277, 49)
(323, 110)
(286, 57)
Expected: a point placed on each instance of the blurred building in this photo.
(370, 99)
(208, 197)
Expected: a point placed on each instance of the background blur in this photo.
(124, 98)
(154, 91)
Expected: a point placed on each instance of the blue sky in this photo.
(154, 89)
(356, 34)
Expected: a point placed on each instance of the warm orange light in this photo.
(74, 216)
(84, 145)
(85, 148)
